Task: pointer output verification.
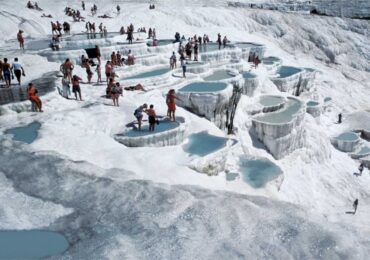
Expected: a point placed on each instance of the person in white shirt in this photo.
(18, 70)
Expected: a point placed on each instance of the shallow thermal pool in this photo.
(204, 87)
(161, 42)
(164, 125)
(152, 73)
(269, 101)
(248, 75)
(287, 71)
(284, 115)
(219, 75)
(203, 143)
(31, 244)
(259, 172)
(26, 134)
(245, 45)
(348, 136)
(212, 46)
(270, 60)
(312, 103)
(88, 36)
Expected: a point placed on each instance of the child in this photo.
(152, 118)
(98, 71)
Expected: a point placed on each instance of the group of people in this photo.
(8, 71)
(33, 6)
(151, 7)
(152, 34)
(75, 14)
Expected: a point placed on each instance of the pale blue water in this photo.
(349, 136)
(26, 134)
(284, 115)
(248, 75)
(327, 99)
(270, 60)
(38, 45)
(312, 103)
(287, 71)
(87, 36)
(164, 125)
(364, 150)
(212, 46)
(259, 172)
(194, 64)
(31, 244)
(219, 75)
(268, 101)
(203, 143)
(161, 42)
(247, 45)
(204, 87)
(151, 73)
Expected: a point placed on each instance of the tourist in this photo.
(76, 86)
(83, 5)
(59, 27)
(98, 71)
(171, 104)
(139, 114)
(119, 58)
(225, 41)
(108, 70)
(183, 65)
(118, 9)
(130, 58)
(33, 97)
(1, 70)
(97, 53)
(89, 73)
(66, 88)
(340, 118)
(18, 70)
(136, 87)
(219, 41)
(116, 91)
(173, 61)
(256, 62)
(196, 50)
(20, 39)
(122, 30)
(68, 68)
(7, 73)
(101, 27)
(355, 204)
(361, 169)
(152, 118)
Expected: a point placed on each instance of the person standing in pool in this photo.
(152, 118)
(219, 41)
(18, 70)
(171, 104)
(139, 114)
(76, 86)
(20, 39)
(7, 73)
(225, 41)
(183, 65)
(33, 97)
(196, 50)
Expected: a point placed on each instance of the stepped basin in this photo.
(347, 142)
(287, 71)
(250, 50)
(202, 144)
(26, 134)
(90, 36)
(287, 79)
(257, 173)
(212, 46)
(149, 74)
(271, 63)
(37, 45)
(282, 131)
(197, 67)
(282, 116)
(363, 151)
(251, 83)
(204, 87)
(218, 75)
(161, 42)
(166, 133)
(313, 108)
(272, 103)
(31, 244)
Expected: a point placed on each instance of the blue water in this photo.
(270, 60)
(164, 125)
(259, 172)
(284, 115)
(194, 64)
(219, 75)
(327, 99)
(161, 42)
(204, 87)
(268, 101)
(87, 36)
(32, 244)
(287, 71)
(212, 46)
(364, 150)
(245, 45)
(349, 136)
(203, 143)
(312, 103)
(248, 75)
(38, 45)
(26, 134)
(151, 73)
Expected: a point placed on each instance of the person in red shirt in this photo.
(171, 104)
